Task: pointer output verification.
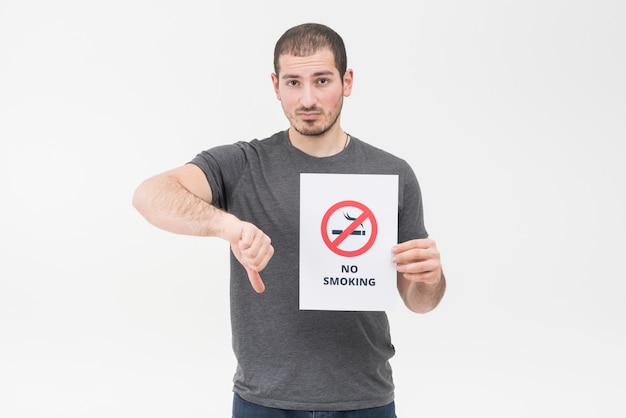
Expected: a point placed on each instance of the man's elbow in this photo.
(420, 307)
(140, 199)
(424, 298)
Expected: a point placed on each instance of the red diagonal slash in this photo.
(346, 232)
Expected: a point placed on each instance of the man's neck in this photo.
(325, 145)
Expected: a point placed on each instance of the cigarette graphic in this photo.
(339, 231)
(350, 218)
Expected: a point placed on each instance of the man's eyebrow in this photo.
(316, 74)
(321, 73)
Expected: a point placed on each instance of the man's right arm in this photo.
(178, 201)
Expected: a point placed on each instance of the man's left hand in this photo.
(418, 260)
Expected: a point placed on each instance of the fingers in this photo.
(414, 251)
(426, 272)
(424, 243)
(418, 260)
(254, 250)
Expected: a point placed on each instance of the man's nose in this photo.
(307, 100)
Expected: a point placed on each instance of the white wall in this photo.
(512, 114)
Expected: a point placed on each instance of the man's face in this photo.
(311, 91)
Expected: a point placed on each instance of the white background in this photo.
(512, 114)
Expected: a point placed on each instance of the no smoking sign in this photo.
(349, 228)
(348, 225)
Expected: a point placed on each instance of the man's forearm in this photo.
(424, 297)
(168, 205)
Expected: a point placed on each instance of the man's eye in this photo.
(323, 81)
(292, 83)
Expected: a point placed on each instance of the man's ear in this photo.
(348, 79)
(275, 83)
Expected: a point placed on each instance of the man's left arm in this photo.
(421, 281)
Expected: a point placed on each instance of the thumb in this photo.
(253, 275)
(255, 280)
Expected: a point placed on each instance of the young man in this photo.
(292, 362)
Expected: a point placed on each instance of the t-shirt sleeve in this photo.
(223, 166)
(410, 211)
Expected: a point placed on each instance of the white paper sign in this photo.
(348, 224)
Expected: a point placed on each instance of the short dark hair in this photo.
(308, 38)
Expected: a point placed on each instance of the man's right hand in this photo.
(252, 248)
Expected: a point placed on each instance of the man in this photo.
(292, 362)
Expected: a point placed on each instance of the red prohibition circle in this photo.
(334, 245)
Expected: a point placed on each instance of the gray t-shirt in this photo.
(287, 358)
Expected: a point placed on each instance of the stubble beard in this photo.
(312, 129)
